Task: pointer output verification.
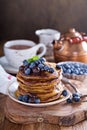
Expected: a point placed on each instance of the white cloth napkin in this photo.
(5, 80)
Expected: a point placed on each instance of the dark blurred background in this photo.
(20, 18)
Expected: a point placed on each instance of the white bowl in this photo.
(77, 76)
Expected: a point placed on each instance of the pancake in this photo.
(43, 83)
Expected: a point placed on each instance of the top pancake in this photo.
(42, 76)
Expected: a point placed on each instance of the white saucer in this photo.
(6, 66)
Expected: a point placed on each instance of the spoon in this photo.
(67, 81)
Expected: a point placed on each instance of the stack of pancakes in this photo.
(44, 85)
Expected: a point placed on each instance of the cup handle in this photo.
(41, 45)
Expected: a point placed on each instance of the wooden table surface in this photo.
(7, 125)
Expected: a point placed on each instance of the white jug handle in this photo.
(41, 45)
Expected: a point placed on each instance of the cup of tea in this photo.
(18, 50)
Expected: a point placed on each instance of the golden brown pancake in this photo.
(44, 85)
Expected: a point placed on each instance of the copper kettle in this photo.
(72, 46)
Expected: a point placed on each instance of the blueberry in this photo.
(51, 70)
(69, 100)
(76, 98)
(75, 94)
(27, 71)
(81, 72)
(46, 68)
(67, 66)
(29, 100)
(37, 62)
(77, 65)
(64, 69)
(74, 68)
(64, 93)
(85, 72)
(32, 65)
(25, 62)
(41, 66)
(37, 100)
(76, 71)
(58, 66)
(42, 59)
(20, 97)
(68, 71)
(79, 69)
(72, 71)
(25, 98)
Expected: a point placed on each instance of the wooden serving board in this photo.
(62, 114)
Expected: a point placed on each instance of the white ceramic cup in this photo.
(15, 57)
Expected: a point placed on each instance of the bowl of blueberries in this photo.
(73, 70)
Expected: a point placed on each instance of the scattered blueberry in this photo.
(20, 97)
(37, 100)
(76, 98)
(25, 98)
(69, 100)
(28, 99)
(64, 93)
(75, 94)
(58, 67)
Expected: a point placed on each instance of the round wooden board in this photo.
(63, 114)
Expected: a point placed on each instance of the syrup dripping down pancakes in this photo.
(39, 79)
